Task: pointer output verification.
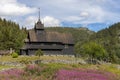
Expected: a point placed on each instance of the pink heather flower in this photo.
(83, 75)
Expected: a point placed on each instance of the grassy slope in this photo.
(114, 68)
(49, 69)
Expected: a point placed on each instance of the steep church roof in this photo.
(50, 37)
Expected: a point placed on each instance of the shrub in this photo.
(25, 61)
(39, 52)
(92, 50)
(14, 55)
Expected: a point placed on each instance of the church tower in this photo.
(39, 27)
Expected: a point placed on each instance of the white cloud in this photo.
(96, 14)
(73, 18)
(92, 14)
(30, 22)
(48, 21)
(84, 14)
(51, 21)
(56, 11)
(7, 1)
(82, 11)
(13, 8)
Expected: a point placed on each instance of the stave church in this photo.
(50, 42)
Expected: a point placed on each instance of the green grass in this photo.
(9, 58)
(51, 68)
(48, 70)
(55, 66)
(110, 68)
(3, 67)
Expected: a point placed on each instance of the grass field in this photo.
(9, 58)
(50, 71)
(58, 71)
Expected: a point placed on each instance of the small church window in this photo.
(66, 46)
(42, 44)
(54, 44)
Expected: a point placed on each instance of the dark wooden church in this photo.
(51, 43)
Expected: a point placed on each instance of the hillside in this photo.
(110, 39)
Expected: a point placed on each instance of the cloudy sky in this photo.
(93, 14)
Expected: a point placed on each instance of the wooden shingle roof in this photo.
(50, 37)
(32, 36)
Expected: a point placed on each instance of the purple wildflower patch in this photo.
(83, 75)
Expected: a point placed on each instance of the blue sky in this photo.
(93, 14)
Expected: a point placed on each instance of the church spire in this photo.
(39, 14)
(39, 25)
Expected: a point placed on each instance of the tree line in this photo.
(11, 36)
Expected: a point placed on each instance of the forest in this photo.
(11, 36)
